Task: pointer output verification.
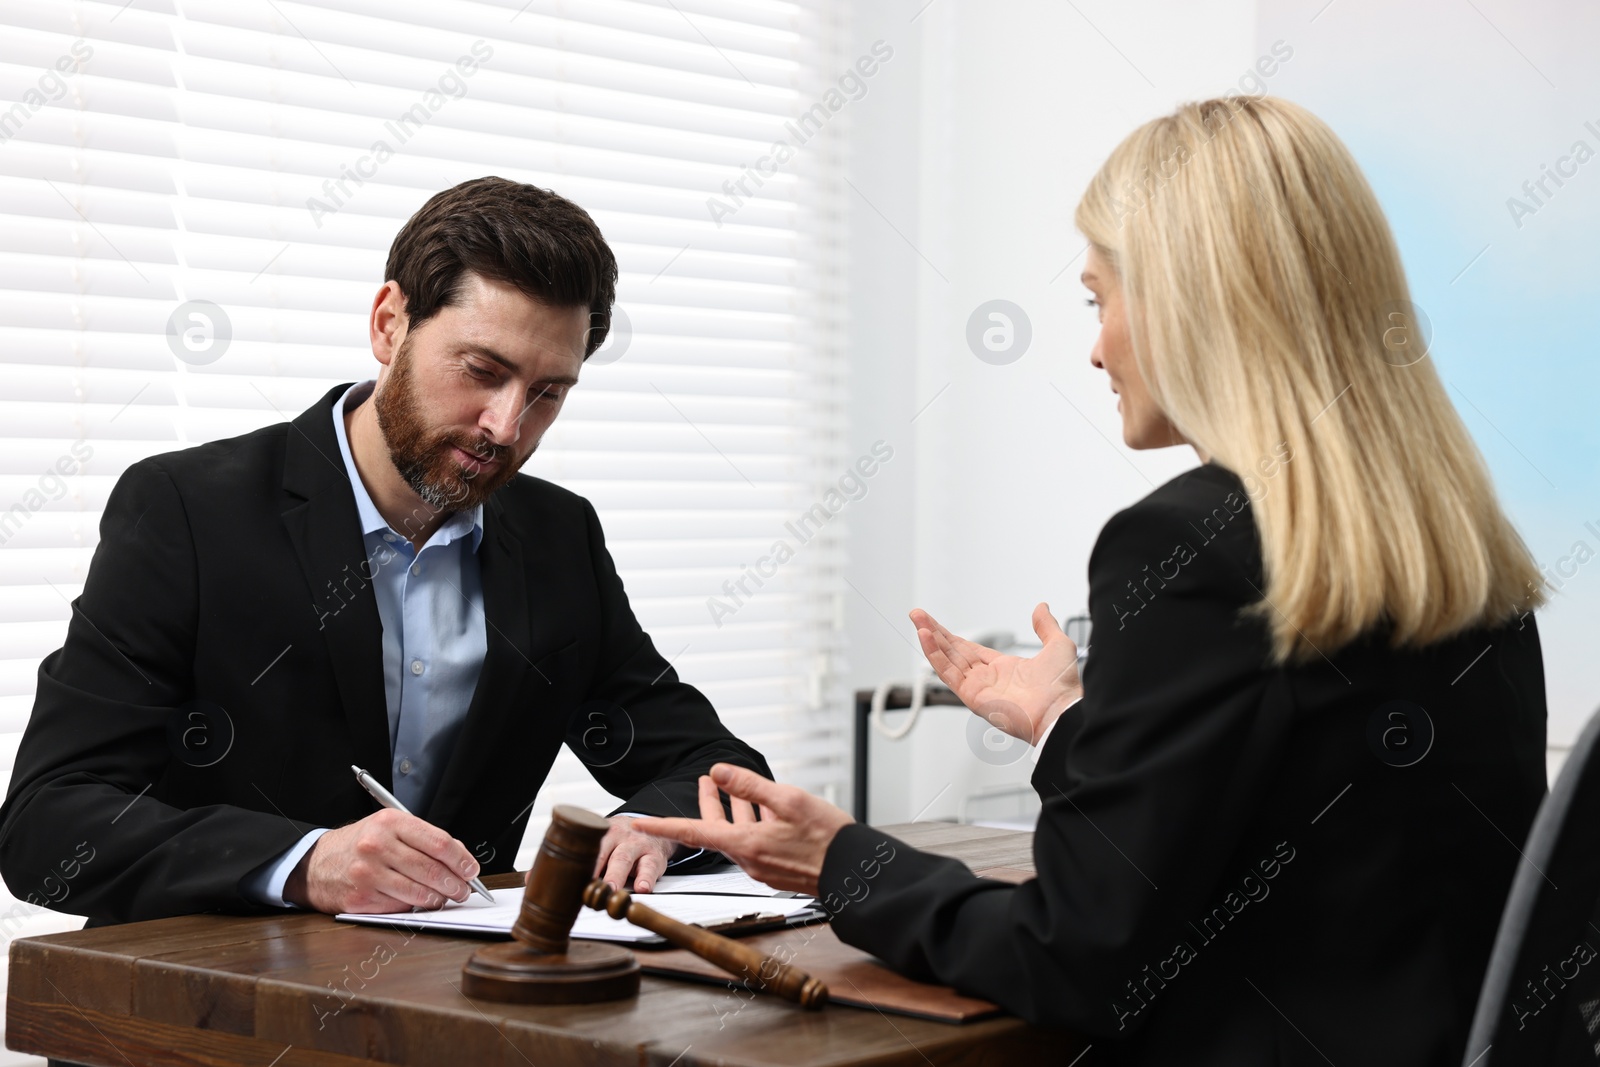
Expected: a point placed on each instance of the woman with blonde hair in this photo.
(1281, 811)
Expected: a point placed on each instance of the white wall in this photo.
(1450, 110)
(969, 154)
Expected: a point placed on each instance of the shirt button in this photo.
(405, 766)
(389, 537)
(416, 666)
(416, 568)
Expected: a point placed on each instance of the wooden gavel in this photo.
(542, 965)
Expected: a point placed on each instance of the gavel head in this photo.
(543, 965)
(563, 866)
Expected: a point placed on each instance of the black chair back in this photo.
(1540, 1002)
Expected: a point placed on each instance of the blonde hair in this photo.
(1268, 312)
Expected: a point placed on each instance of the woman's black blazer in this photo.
(1238, 863)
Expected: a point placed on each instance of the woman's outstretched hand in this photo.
(782, 843)
(1020, 696)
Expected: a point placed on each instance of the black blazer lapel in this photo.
(321, 519)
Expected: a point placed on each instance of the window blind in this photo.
(250, 164)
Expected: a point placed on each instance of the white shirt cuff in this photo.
(1034, 754)
(264, 885)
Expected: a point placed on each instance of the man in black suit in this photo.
(373, 584)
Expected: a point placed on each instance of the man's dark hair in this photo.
(520, 234)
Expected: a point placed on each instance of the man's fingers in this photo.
(410, 860)
(372, 902)
(742, 809)
(651, 864)
(396, 884)
(621, 864)
(428, 873)
(607, 844)
(432, 841)
(389, 861)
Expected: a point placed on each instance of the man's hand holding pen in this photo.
(389, 861)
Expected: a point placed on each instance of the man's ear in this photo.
(387, 325)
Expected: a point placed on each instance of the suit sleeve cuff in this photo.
(856, 862)
(264, 885)
(1044, 737)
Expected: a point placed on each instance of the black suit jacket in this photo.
(228, 609)
(1237, 863)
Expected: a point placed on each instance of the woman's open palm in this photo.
(1016, 694)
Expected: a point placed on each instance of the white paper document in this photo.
(733, 880)
(480, 917)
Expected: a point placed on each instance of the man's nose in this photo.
(502, 419)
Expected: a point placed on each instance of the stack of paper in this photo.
(478, 916)
(733, 880)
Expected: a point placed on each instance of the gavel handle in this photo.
(742, 961)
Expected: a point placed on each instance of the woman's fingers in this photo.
(959, 651)
(947, 672)
(710, 802)
(743, 810)
(971, 650)
(923, 621)
(951, 647)
(1045, 625)
(747, 791)
(785, 849)
(959, 677)
(745, 784)
(696, 833)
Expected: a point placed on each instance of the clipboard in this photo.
(754, 923)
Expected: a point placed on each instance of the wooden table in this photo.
(305, 989)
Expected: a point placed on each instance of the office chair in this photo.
(1540, 1002)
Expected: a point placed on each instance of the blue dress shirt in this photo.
(431, 605)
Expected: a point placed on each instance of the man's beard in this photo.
(427, 461)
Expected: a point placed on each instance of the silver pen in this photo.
(389, 800)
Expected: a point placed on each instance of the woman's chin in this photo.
(1141, 438)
